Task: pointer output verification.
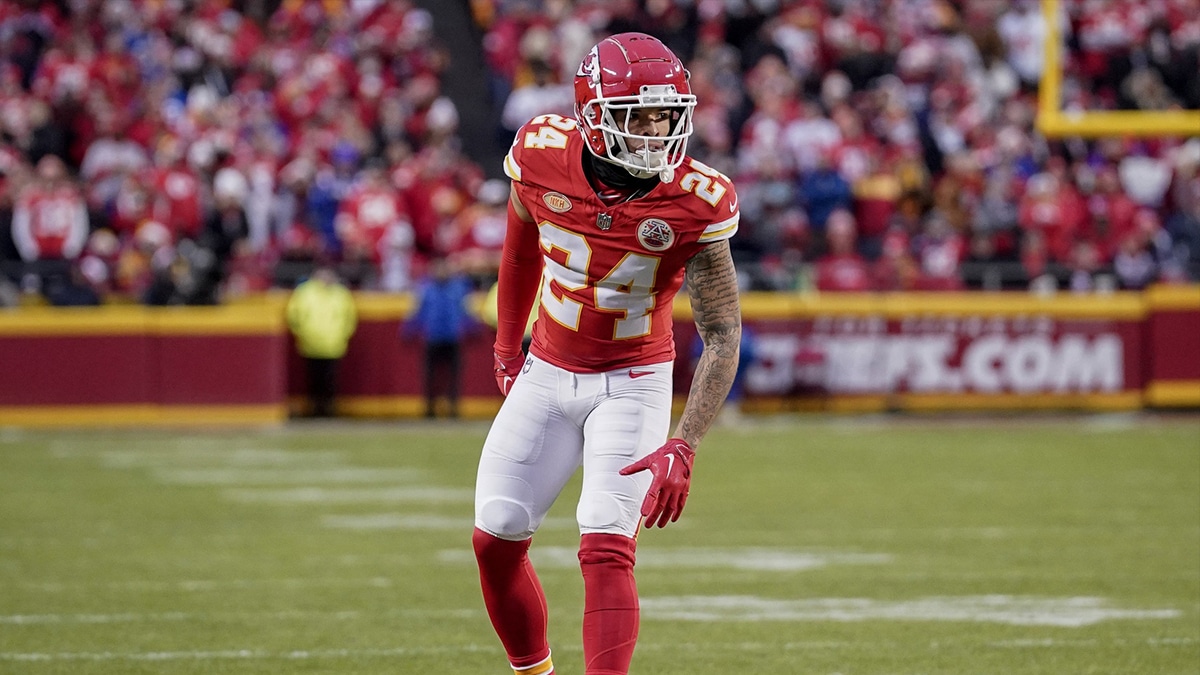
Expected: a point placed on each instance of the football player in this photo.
(607, 216)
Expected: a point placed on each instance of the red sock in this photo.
(514, 598)
(610, 605)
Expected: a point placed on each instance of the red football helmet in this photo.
(627, 71)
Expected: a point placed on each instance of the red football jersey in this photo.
(177, 200)
(50, 222)
(369, 212)
(610, 273)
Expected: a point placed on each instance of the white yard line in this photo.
(246, 654)
(320, 495)
(205, 585)
(1031, 643)
(571, 648)
(227, 457)
(302, 476)
(290, 615)
(1068, 612)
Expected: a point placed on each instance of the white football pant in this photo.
(554, 420)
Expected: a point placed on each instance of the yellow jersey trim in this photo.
(722, 230)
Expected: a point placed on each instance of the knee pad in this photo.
(504, 518)
(601, 512)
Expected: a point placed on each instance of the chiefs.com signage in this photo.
(943, 356)
(945, 352)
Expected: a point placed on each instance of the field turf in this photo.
(810, 545)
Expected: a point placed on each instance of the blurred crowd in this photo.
(891, 144)
(172, 152)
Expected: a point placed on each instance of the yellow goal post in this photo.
(1054, 122)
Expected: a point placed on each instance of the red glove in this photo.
(671, 466)
(507, 370)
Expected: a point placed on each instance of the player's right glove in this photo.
(507, 369)
(671, 466)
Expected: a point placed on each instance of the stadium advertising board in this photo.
(111, 366)
(949, 360)
(1172, 349)
(133, 365)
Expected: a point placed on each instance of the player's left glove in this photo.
(671, 466)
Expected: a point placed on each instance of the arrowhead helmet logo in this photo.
(588, 69)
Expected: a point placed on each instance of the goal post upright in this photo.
(1054, 122)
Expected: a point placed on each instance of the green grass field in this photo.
(813, 545)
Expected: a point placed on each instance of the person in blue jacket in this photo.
(444, 321)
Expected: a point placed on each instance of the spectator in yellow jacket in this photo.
(322, 317)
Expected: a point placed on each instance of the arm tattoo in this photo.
(712, 287)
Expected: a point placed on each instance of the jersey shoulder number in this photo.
(717, 202)
(543, 133)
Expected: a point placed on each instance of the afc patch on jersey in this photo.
(654, 234)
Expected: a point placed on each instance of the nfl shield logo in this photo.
(604, 221)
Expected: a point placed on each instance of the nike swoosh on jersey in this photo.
(733, 206)
(633, 374)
